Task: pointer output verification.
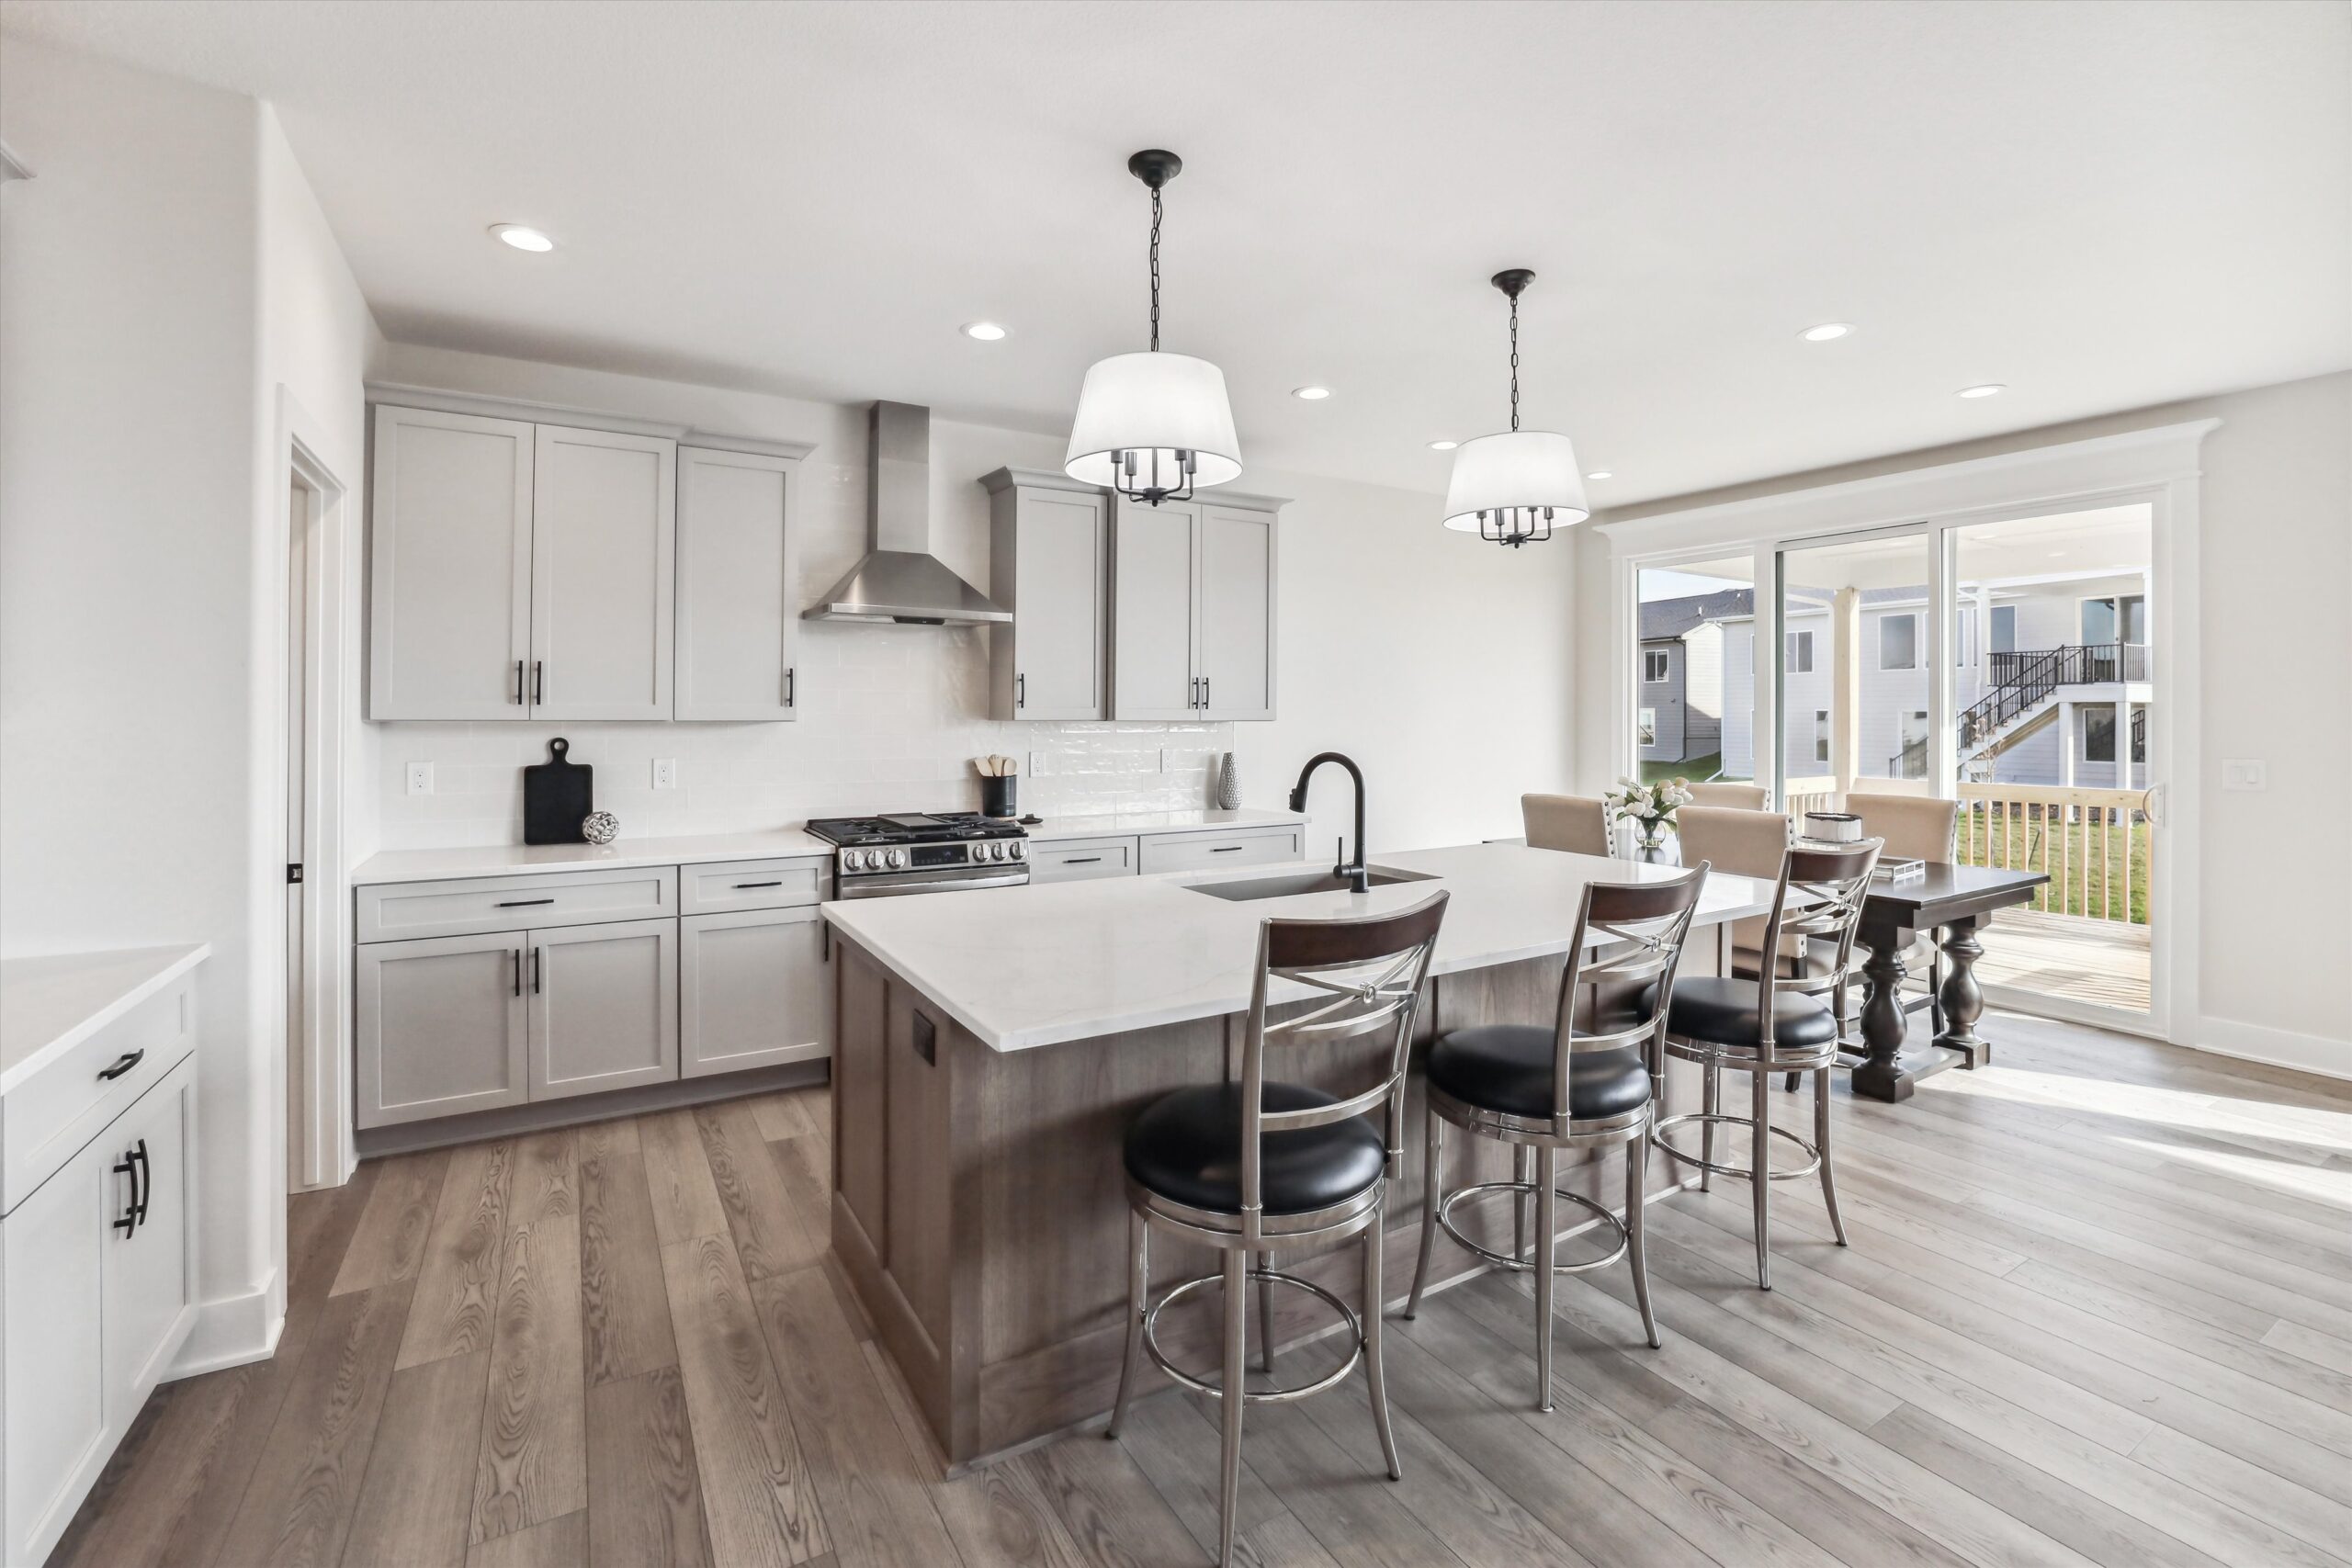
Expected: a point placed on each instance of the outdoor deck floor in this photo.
(2083, 960)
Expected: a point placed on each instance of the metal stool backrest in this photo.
(1649, 921)
(1832, 884)
(1372, 970)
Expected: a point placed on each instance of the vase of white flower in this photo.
(1651, 809)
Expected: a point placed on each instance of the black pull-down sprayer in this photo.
(1358, 874)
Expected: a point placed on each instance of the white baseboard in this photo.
(2276, 1047)
(231, 1331)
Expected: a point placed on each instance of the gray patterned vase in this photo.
(1229, 785)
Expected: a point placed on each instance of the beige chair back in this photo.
(1914, 826)
(1747, 843)
(1740, 796)
(1576, 823)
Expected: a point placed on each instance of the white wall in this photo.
(1437, 662)
(2275, 572)
(161, 274)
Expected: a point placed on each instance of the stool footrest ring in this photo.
(1505, 1259)
(1665, 1146)
(1248, 1395)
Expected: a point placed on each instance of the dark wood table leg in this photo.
(1879, 1073)
(1963, 998)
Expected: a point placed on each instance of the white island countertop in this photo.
(1053, 962)
(50, 1004)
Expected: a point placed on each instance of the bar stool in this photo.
(1592, 1080)
(1243, 1167)
(1775, 1023)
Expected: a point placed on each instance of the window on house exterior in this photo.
(2005, 628)
(1821, 735)
(1898, 642)
(1654, 663)
(1800, 653)
(2099, 735)
(1645, 726)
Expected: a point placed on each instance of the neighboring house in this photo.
(2040, 670)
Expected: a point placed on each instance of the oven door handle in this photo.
(927, 881)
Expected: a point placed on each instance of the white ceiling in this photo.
(2102, 205)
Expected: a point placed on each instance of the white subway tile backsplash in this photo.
(890, 717)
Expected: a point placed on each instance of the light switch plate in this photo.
(2246, 774)
(665, 773)
(420, 778)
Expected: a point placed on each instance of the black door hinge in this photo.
(294, 872)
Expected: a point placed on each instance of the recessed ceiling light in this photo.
(1443, 445)
(1600, 474)
(1989, 389)
(521, 237)
(1311, 394)
(1827, 331)
(986, 331)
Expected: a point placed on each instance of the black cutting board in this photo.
(557, 796)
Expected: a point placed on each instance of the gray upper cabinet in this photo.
(450, 579)
(604, 548)
(737, 620)
(1049, 564)
(1193, 608)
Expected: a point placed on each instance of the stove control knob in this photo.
(899, 859)
(855, 860)
(983, 852)
(999, 851)
(1015, 849)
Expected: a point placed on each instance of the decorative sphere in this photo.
(600, 827)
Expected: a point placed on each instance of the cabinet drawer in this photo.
(729, 886)
(1221, 852)
(1077, 860)
(47, 1117)
(399, 911)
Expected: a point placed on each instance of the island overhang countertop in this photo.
(1049, 963)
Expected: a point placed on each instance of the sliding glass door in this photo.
(1857, 693)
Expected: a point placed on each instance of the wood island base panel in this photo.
(979, 1207)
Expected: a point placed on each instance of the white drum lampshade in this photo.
(1518, 469)
(1155, 406)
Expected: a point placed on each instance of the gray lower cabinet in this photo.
(604, 1006)
(752, 990)
(443, 1026)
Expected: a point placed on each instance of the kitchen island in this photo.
(991, 1047)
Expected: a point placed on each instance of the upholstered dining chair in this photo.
(1577, 823)
(1744, 797)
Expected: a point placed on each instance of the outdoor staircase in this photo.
(2025, 691)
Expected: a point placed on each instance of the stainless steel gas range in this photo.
(923, 852)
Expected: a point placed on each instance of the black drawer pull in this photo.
(521, 903)
(778, 883)
(1228, 849)
(1083, 860)
(122, 1065)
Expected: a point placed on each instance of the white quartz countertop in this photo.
(1052, 962)
(1112, 827)
(50, 1004)
(522, 859)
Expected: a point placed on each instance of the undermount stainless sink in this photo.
(1290, 883)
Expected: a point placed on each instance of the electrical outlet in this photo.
(665, 773)
(2245, 774)
(420, 778)
(1164, 759)
(1037, 769)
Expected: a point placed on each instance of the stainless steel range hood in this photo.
(900, 580)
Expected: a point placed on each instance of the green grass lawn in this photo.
(2032, 843)
(1697, 770)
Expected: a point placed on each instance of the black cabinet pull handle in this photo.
(778, 883)
(524, 903)
(538, 968)
(123, 1064)
(144, 1184)
(128, 1219)
(538, 681)
(1083, 860)
(792, 686)
(1205, 691)
(1227, 849)
(1021, 690)
(519, 971)
(518, 681)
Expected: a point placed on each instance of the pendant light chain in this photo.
(1155, 269)
(1514, 357)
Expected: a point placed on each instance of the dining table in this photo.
(1952, 904)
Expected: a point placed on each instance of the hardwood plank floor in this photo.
(2097, 1309)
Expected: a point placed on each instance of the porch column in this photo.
(2067, 745)
(1845, 686)
(2123, 743)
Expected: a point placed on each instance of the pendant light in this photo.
(1512, 489)
(1153, 427)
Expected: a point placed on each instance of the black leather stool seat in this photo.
(1506, 1067)
(1186, 1147)
(1724, 1012)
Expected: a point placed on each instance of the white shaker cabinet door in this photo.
(1236, 614)
(604, 1003)
(52, 1250)
(443, 1026)
(604, 544)
(151, 1268)
(754, 990)
(1154, 550)
(1060, 574)
(449, 608)
(737, 618)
